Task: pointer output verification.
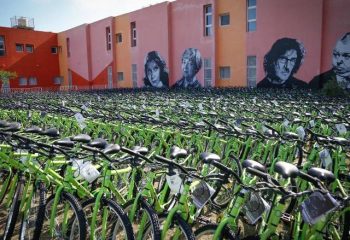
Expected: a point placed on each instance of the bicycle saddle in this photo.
(208, 157)
(111, 149)
(340, 141)
(322, 174)
(3, 123)
(12, 127)
(51, 132)
(66, 142)
(33, 129)
(253, 164)
(98, 143)
(176, 152)
(291, 135)
(141, 150)
(286, 169)
(83, 138)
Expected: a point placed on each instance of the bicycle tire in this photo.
(5, 182)
(209, 230)
(120, 215)
(152, 216)
(77, 224)
(32, 221)
(14, 211)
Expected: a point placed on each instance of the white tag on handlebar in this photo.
(175, 183)
(285, 123)
(201, 193)
(157, 112)
(312, 123)
(301, 132)
(81, 120)
(200, 106)
(326, 159)
(89, 172)
(341, 128)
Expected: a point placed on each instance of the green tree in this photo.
(6, 76)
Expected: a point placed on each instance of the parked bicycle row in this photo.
(77, 187)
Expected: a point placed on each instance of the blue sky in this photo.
(60, 15)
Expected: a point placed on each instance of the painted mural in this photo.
(156, 72)
(281, 63)
(191, 63)
(340, 72)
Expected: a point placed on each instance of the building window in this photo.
(58, 80)
(68, 47)
(19, 47)
(119, 37)
(225, 19)
(29, 48)
(251, 71)
(120, 76)
(225, 73)
(22, 81)
(134, 75)
(133, 34)
(2, 46)
(108, 38)
(251, 15)
(54, 50)
(207, 72)
(33, 81)
(208, 20)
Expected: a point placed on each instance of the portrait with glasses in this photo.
(281, 63)
(340, 71)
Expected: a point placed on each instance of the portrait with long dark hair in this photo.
(281, 63)
(156, 72)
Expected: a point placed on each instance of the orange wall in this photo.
(230, 42)
(61, 37)
(123, 53)
(41, 64)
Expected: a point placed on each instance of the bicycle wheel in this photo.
(117, 226)
(179, 228)
(14, 211)
(5, 180)
(207, 232)
(69, 222)
(144, 216)
(32, 221)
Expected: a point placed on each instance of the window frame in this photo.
(253, 20)
(223, 70)
(3, 48)
(133, 34)
(119, 37)
(31, 83)
(118, 76)
(249, 67)
(208, 27)
(24, 83)
(29, 45)
(220, 19)
(19, 45)
(108, 38)
(68, 46)
(56, 51)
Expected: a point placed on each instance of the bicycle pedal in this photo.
(287, 217)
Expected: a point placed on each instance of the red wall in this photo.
(298, 19)
(41, 64)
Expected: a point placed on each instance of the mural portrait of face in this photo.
(341, 57)
(281, 63)
(191, 63)
(285, 64)
(156, 74)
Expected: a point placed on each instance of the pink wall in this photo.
(187, 30)
(152, 35)
(297, 19)
(100, 57)
(78, 60)
(336, 13)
